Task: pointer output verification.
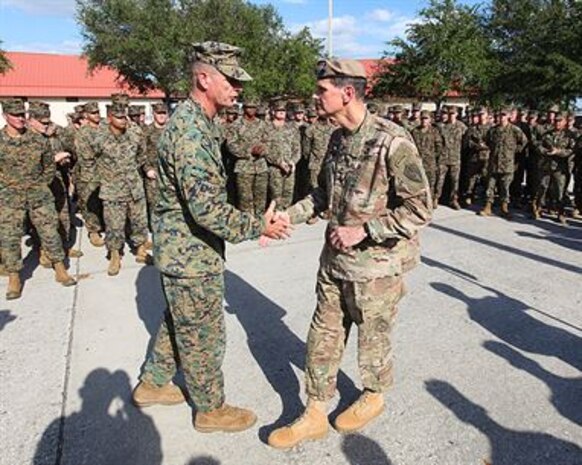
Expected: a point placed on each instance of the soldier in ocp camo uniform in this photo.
(283, 153)
(192, 220)
(504, 141)
(453, 132)
(556, 149)
(27, 166)
(477, 153)
(152, 135)
(378, 195)
(119, 156)
(318, 135)
(248, 146)
(429, 142)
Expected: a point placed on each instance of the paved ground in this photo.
(488, 353)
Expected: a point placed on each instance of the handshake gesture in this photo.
(277, 226)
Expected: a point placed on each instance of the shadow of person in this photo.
(360, 450)
(508, 447)
(566, 392)
(203, 460)
(275, 348)
(5, 318)
(149, 298)
(107, 429)
(508, 319)
(559, 239)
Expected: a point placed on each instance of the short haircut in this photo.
(359, 84)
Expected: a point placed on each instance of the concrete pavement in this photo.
(488, 353)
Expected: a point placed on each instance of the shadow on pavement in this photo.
(509, 249)
(360, 450)
(565, 392)
(508, 319)
(508, 447)
(572, 242)
(204, 460)
(107, 430)
(6, 318)
(276, 349)
(149, 298)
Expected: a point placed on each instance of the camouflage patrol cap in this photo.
(224, 57)
(561, 116)
(120, 97)
(397, 109)
(532, 114)
(261, 111)
(416, 107)
(13, 106)
(279, 105)
(250, 104)
(134, 110)
(231, 110)
(425, 114)
(480, 110)
(79, 108)
(298, 109)
(554, 109)
(340, 68)
(39, 110)
(91, 107)
(159, 108)
(311, 113)
(505, 111)
(372, 107)
(451, 109)
(118, 110)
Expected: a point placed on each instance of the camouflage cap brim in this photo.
(234, 72)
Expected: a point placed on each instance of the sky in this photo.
(361, 27)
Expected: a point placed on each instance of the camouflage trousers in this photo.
(43, 218)
(116, 214)
(454, 172)
(90, 206)
(151, 189)
(432, 175)
(61, 196)
(501, 181)
(281, 187)
(251, 191)
(313, 178)
(578, 188)
(552, 182)
(371, 305)
(192, 336)
(476, 171)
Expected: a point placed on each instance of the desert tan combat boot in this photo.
(44, 260)
(74, 253)
(62, 276)
(141, 255)
(311, 425)
(505, 210)
(535, 211)
(227, 419)
(368, 406)
(146, 394)
(96, 240)
(455, 205)
(14, 290)
(114, 263)
(486, 210)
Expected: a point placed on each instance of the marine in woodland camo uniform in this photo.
(429, 142)
(477, 154)
(317, 135)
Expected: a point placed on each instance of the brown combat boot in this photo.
(227, 419)
(74, 253)
(562, 218)
(576, 213)
(505, 210)
(96, 240)
(311, 425)
(14, 290)
(535, 211)
(44, 260)
(62, 276)
(114, 263)
(368, 406)
(435, 204)
(486, 210)
(145, 395)
(141, 255)
(455, 205)
(149, 245)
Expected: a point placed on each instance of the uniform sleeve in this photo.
(238, 145)
(151, 152)
(412, 190)
(202, 187)
(49, 167)
(296, 146)
(521, 139)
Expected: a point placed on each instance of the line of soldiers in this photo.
(109, 165)
(524, 159)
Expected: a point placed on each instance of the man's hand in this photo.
(62, 158)
(257, 150)
(344, 237)
(151, 174)
(277, 226)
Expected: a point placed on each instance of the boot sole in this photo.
(13, 296)
(339, 429)
(139, 404)
(315, 437)
(222, 429)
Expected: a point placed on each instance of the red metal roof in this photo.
(37, 75)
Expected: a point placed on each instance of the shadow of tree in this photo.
(508, 447)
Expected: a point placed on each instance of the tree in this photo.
(5, 64)
(539, 46)
(445, 51)
(149, 42)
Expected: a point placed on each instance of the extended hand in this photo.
(277, 225)
(344, 237)
(151, 174)
(62, 157)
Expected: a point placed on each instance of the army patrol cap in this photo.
(232, 110)
(134, 110)
(416, 107)
(425, 114)
(91, 107)
(120, 97)
(311, 113)
(532, 114)
(13, 106)
(480, 111)
(79, 108)
(250, 104)
(159, 108)
(39, 111)
(224, 57)
(397, 109)
(340, 68)
(118, 110)
(451, 109)
(298, 109)
(554, 109)
(280, 105)
(505, 111)
(561, 115)
(372, 107)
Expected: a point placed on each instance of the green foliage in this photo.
(149, 42)
(445, 51)
(5, 64)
